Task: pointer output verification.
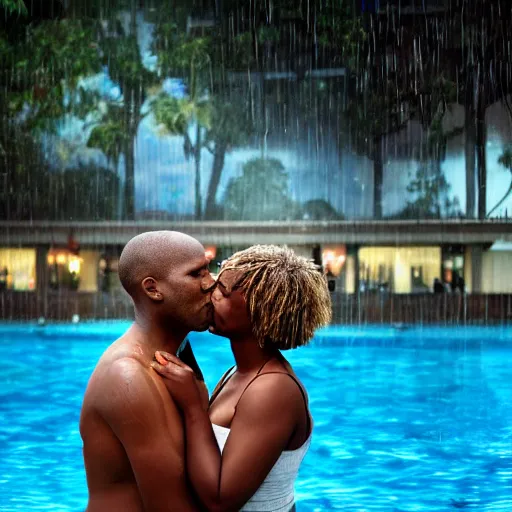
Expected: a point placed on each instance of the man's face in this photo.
(187, 291)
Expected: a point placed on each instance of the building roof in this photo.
(364, 232)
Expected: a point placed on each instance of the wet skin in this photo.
(224, 482)
(132, 431)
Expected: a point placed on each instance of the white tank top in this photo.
(276, 493)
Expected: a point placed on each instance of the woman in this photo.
(244, 452)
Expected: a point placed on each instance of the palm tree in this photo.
(111, 139)
(506, 160)
(189, 57)
(230, 127)
(126, 68)
(176, 116)
(109, 136)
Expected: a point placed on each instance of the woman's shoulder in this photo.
(282, 366)
(268, 396)
(277, 387)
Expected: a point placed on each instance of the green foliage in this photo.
(175, 115)
(5, 47)
(183, 55)
(189, 57)
(231, 127)
(43, 71)
(230, 124)
(32, 190)
(398, 77)
(260, 193)
(241, 55)
(505, 159)
(378, 110)
(438, 138)
(96, 9)
(14, 7)
(339, 31)
(429, 195)
(84, 102)
(87, 193)
(191, 54)
(289, 9)
(109, 137)
(372, 115)
(43, 80)
(117, 129)
(268, 34)
(271, 29)
(122, 55)
(320, 209)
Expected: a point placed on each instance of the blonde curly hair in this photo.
(287, 295)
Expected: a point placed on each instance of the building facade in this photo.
(57, 270)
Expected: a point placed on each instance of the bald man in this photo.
(132, 432)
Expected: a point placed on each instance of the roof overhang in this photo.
(247, 233)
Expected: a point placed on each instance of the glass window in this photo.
(18, 269)
(399, 269)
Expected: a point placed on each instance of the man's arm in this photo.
(134, 409)
(261, 429)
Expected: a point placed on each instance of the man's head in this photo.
(166, 274)
(285, 296)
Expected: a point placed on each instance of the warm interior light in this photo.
(328, 256)
(61, 258)
(448, 264)
(50, 259)
(210, 252)
(333, 260)
(74, 265)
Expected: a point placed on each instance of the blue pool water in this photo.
(405, 419)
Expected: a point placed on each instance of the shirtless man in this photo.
(132, 432)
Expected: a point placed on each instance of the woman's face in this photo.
(230, 318)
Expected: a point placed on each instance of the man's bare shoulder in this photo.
(128, 425)
(124, 377)
(125, 366)
(119, 371)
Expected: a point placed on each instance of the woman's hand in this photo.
(179, 379)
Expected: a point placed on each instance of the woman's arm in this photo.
(264, 422)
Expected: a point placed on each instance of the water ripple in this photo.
(405, 420)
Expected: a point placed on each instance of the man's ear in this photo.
(150, 287)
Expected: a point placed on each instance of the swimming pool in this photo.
(406, 419)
